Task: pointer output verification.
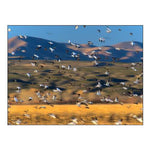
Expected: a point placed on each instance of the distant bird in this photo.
(39, 46)
(12, 53)
(103, 99)
(74, 69)
(27, 115)
(99, 30)
(20, 36)
(116, 100)
(46, 87)
(98, 93)
(51, 43)
(106, 73)
(84, 102)
(136, 81)
(119, 122)
(25, 36)
(36, 71)
(16, 99)
(96, 63)
(59, 60)
(109, 100)
(119, 29)
(122, 83)
(54, 97)
(139, 119)
(42, 107)
(18, 88)
(63, 67)
(73, 44)
(108, 52)
(135, 94)
(45, 101)
(95, 57)
(74, 120)
(78, 104)
(28, 74)
(74, 54)
(69, 67)
(90, 102)
(98, 85)
(76, 27)
(125, 88)
(33, 63)
(132, 43)
(52, 116)
(57, 90)
(77, 45)
(107, 83)
(30, 99)
(72, 123)
(36, 56)
(101, 39)
(141, 96)
(108, 30)
(51, 49)
(131, 33)
(9, 29)
(94, 121)
(84, 26)
(38, 94)
(90, 56)
(117, 48)
(41, 85)
(18, 122)
(84, 91)
(133, 68)
(133, 64)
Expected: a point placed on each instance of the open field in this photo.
(105, 114)
(72, 82)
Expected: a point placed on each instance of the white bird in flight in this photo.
(36, 56)
(94, 121)
(18, 122)
(76, 27)
(119, 122)
(51, 49)
(28, 74)
(57, 90)
(52, 116)
(107, 83)
(15, 99)
(9, 29)
(98, 93)
(132, 43)
(13, 53)
(51, 43)
(108, 30)
(74, 69)
(54, 97)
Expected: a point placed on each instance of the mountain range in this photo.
(26, 47)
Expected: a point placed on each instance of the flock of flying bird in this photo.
(80, 101)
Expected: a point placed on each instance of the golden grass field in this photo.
(106, 114)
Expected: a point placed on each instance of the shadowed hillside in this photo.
(27, 47)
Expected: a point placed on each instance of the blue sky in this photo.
(81, 35)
